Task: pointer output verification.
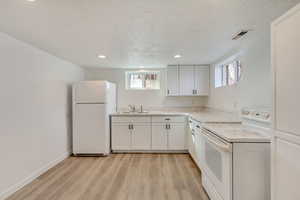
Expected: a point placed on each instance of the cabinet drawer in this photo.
(139, 119)
(171, 119)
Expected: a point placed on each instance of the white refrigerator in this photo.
(93, 102)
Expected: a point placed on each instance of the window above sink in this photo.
(142, 80)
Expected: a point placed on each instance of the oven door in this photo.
(217, 164)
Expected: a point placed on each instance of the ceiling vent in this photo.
(240, 34)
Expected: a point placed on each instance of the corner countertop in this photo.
(238, 133)
(204, 115)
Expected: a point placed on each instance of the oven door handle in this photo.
(217, 142)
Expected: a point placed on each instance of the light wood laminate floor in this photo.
(118, 177)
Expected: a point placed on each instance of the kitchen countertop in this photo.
(237, 133)
(226, 125)
(204, 115)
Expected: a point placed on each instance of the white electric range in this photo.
(235, 158)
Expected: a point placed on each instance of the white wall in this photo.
(255, 86)
(149, 98)
(35, 111)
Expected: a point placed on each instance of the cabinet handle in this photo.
(198, 126)
(169, 126)
(168, 91)
(130, 126)
(166, 127)
(167, 119)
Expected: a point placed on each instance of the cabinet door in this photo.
(202, 80)
(186, 83)
(141, 137)
(286, 141)
(121, 137)
(286, 62)
(286, 169)
(172, 81)
(176, 137)
(159, 137)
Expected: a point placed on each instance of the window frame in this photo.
(222, 72)
(127, 81)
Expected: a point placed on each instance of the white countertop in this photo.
(237, 133)
(202, 115)
(223, 124)
(150, 113)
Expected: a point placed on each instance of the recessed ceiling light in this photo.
(142, 66)
(31, 0)
(101, 56)
(177, 56)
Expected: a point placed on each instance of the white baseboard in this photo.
(151, 151)
(31, 177)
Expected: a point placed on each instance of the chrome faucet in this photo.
(141, 109)
(131, 108)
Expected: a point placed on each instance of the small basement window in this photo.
(142, 80)
(227, 74)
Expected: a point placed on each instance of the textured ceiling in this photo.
(133, 33)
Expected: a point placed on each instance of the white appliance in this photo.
(237, 168)
(93, 102)
(217, 166)
(192, 139)
(286, 123)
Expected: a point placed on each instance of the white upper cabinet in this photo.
(201, 75)
(172, 81)
(188, 81)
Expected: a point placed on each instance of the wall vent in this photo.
(240, 34)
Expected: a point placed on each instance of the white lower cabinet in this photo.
(159, 136)
(130, 136)
(141, 137)
(168, 136)
(121, 137)
(144, 135)
(176, 137)
(286, 167)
